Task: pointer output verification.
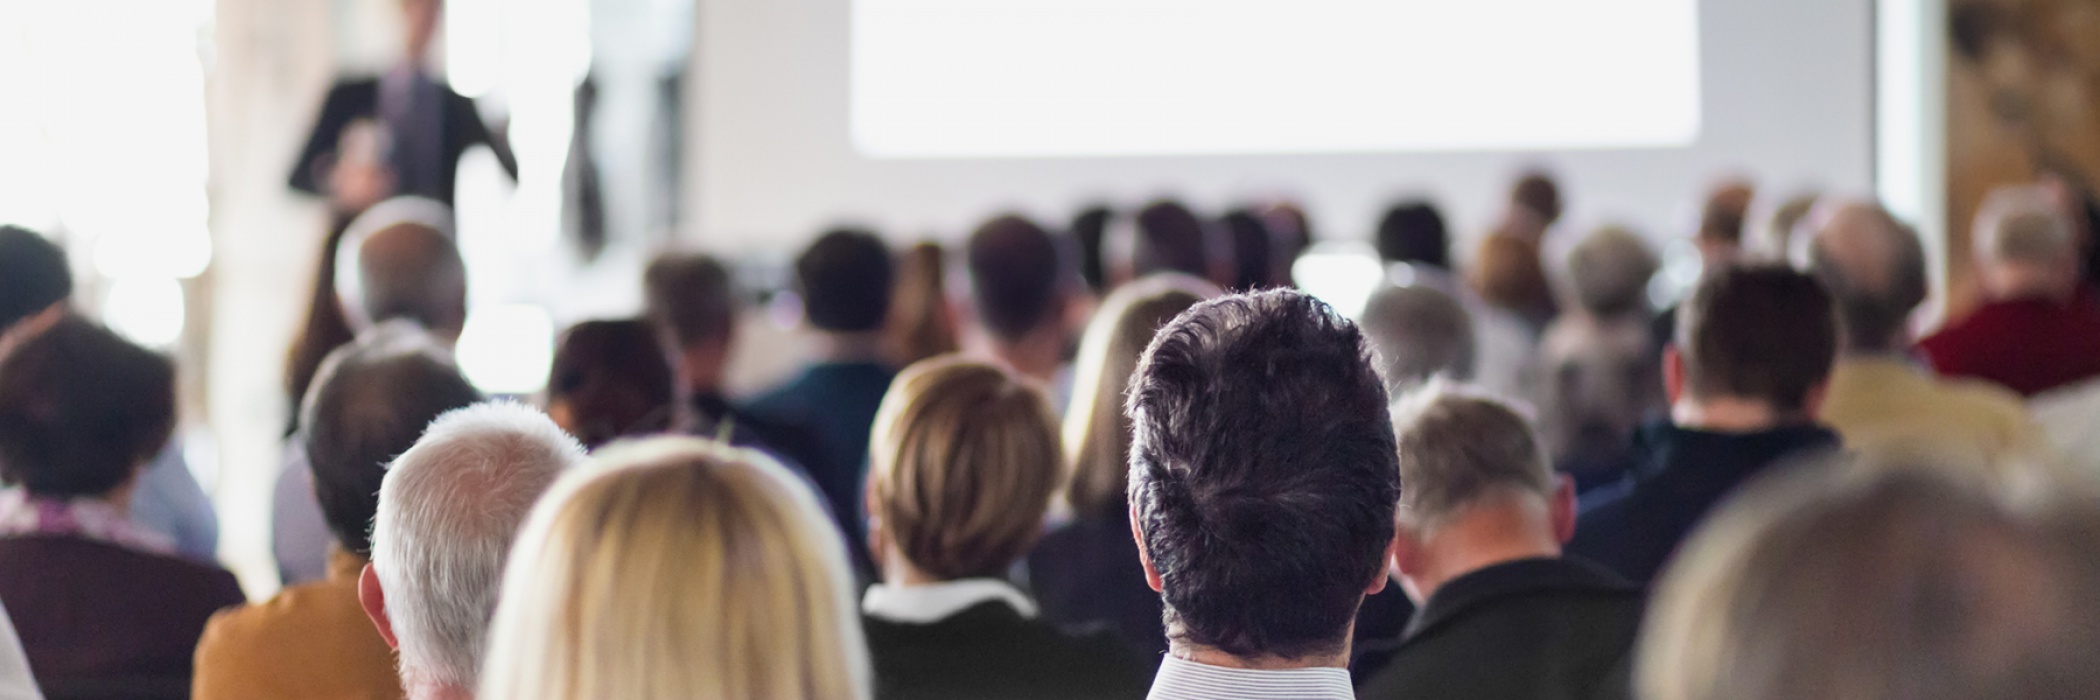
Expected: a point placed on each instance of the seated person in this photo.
(2040, 328)
(1019, 296)
(369, 403)
(1903, 580)
(965, 462)
(94, 596)
(617, 590)
(611, 379)
(1599, 374)
(691, 299)
(1746, 376)
(1482, 519)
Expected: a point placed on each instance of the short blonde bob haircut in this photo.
(675, 568)
(963, 464)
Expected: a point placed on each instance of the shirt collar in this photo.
(89, 518)
(1181, 679)
(933, 602)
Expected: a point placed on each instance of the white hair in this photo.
(2022, 223)
(449, 509)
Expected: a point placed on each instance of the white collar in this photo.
(933, 602)
(1181, 679)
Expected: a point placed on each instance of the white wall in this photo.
(1787, 96)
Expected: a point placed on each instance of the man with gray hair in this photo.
(448, 510)
(1481, 522)
(1879, 399)
(1599, 374)
(2037, 331)
(1417, 334)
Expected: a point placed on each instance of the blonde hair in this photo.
(964, 462)
(677, 568)
(1097, 432)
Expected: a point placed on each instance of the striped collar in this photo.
(1181, 679)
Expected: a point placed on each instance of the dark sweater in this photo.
(92, 610)
(990, 652)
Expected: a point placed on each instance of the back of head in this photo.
(449, 509)
(1874, 267)
(1536, 192)
(691, 296)
(1610, 270)
(1508, 273)
(611, 379)
(1885, 582)
(1253, 252)
(1016, 277)
(1263, 469)
(1459, 450)
(33, 275)
(1414, 232)
(398, 261)
(1726, 211)
(1418, 333)
(920, 325)
(1097, 431)
(677, 568)
(81, 410)
(1169, 239)
(1758, 332)
(1089, 234)
(369, 403)
(2023, 227)
(964, 463)
(845, 279)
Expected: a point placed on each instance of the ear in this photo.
(1563, 510)
(373, 600)
(1812, 404)
(1152, 577)
(1673, 373)
(878, 533)
(1392, 555)
(1405, 561)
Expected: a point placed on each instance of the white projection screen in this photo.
(1029, 78)
(922, 117)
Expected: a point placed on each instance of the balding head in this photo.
(448, 511)
(398, 261)
(1416, 334)
(2025, 245)
(1874, 267)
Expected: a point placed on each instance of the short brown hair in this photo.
(964, 462)
(690, 296)
(1459, 448)
(1758, 332)
(81, 410)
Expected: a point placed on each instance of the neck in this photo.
(1511, 529)
(433, 690)
(859, 346)
(1036, 355)
(898, 571)
(1726, 414)
(1212, 657)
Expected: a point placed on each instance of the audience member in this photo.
(691, 299)
(1255, 263)
(964, 465)
(1089, 232)
(845, 280)
(1085, 571)
(1162, 237)
(1745, 378)
(1413, 232)
(1019, 295)
(1776, 239)
(611, 379)
(93, 596)
(2038, 329)
(1508, 274)
(1879, 582)
(1879, 398)
(35, 285)
(449, 508)
(921, 323)
(1538, 194)
(370, 402)
(1263, 469)
(1599, 374)
(619, 591)
(397, 261)
(1418, 334)
(1482, 520)
(1292, 232)
(1719, 240)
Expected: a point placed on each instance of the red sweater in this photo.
(2030, 346)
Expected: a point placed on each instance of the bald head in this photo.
(408, 271)
(1874, 266)
(2025, 245)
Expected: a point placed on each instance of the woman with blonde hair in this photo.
(677, 568)
(1086, 571)
(963, 466)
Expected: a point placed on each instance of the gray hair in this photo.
(1610, 269)
(1874, 267)
(448, 512)
(1417, 333)
(1459, 448)
(398, 260)
(2022, 224)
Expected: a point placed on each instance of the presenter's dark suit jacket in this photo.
(1533, 629)
(990, 652)
(354, 99)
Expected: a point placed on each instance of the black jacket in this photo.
(1086, 573)
(1634, 527)
(990, 652)
(1540, 629)
(351, 100)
